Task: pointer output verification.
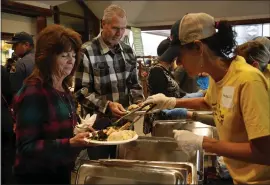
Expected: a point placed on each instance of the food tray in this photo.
(158, 149)
(188, 170)
(94, 172)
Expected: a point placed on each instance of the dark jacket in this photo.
(7, 134)
(160, 80)
(24, 67)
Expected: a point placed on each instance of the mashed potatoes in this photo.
(146, 108)
(133, 106)
(121, 135)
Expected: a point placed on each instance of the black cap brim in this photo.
(170, 54)
(12, 41)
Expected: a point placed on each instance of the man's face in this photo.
(20, 48)
(114, 30)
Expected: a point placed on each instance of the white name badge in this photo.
(227, 96)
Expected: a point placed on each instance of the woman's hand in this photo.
(78, 140)
(161, 101)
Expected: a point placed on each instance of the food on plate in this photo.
(121, 135)
(133, 106)
(125, 126)
(146, 108)
(99, 135)
(113, 133)
(110, 130)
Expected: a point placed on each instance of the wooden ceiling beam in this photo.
(84, 6)
(89, 16)
(24, 9)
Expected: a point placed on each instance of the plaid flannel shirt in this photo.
(108, 76)
(44, 127)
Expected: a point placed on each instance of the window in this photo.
(249, 32)
(6, 51)
(151, 42)
(151, 39)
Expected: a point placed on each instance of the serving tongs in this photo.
(133, 112)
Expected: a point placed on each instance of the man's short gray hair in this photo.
(112, 10)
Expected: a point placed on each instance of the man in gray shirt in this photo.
(23, 46)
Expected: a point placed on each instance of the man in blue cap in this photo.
(23, 46)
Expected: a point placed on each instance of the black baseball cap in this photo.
(21, 37)
(173, 50)
(163, 46)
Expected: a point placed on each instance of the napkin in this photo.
(85, 123)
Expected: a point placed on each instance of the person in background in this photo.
(160, 78)
(266, 67)
(264, 41)
(202, 80)
(45, 111)
(7, 134)
(186, 83)
(23, 46)
(257, 55)
(10, 65)
(107, 80)
(238, 94)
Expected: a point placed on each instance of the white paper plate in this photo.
(111, 142)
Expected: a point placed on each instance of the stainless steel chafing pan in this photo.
(158, 149)
(164, 128)
(151, 149)
(187, 170)
(95, 172)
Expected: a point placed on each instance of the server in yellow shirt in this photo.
(256, 53)
(266, 73)
(238, 94)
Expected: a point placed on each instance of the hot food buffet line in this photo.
(157, 159)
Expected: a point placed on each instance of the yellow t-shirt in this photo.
(240, 102)
(266, 73)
